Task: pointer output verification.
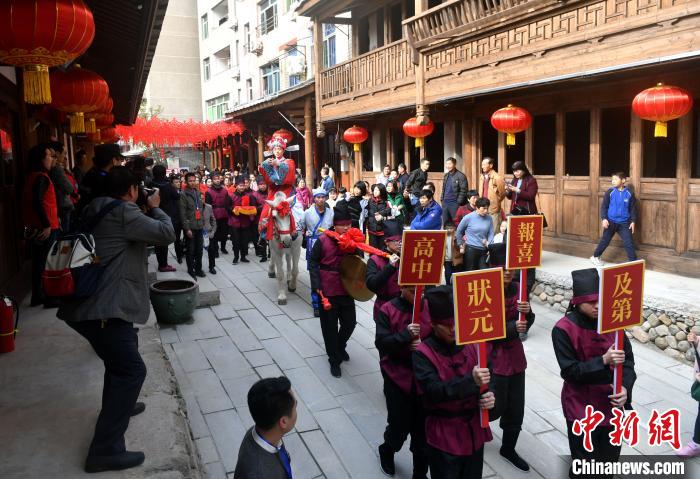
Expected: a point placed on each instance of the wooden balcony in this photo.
(384, 69)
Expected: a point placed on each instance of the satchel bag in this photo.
(539, 211)
(695, 388)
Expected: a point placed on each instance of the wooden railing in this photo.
(377, 68)
(453, 15)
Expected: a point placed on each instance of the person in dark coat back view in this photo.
(170, 204)
(94, 181)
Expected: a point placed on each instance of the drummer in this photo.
(324, 265)
(383, 273)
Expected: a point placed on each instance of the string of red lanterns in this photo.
(154, 131)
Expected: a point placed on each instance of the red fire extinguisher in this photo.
(8, 324)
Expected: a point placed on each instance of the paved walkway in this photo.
(248, 336)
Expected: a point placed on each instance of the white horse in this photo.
(285, 242)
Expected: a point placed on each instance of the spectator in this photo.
(430, 216)
(106, 318)
(396, 200)
(303, 193)
(454, 191)
(453, 256)
(522, 191)
(402, 177)
(40, 215)
(692, 448)
(501, 237)
(492, 187)
(191, 210)
(260, 197)
(477, 227)
(93, 184)
(241, 222)
(357, 204)
(343, 193)
(169, 203)
(394, 175)
(80, 159)
(65, 187)
(378, 210)
(470, 207)
(220, 200)
(173, 210)
(262, 454)
(384, 177)
(326, 181)
(252, 182)
(619, 214)
(332, 198)
(209, 234)
(416, 181)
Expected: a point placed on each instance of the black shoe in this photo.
(139, 407)
(224, 251)
(317, 313)
(245, 260)
(263, 259)
(192, 273)
(386, 460)
(179, 260)
(235, 261)
(116, 462)
(345, 355)
(52, 303)
(200, 273)
(212, 270)
(335, 370)
(511, 456)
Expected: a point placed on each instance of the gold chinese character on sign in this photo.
(622, 285)
(525, 253)
(423, 247)
(526, 231)
(421, 267)
(478, 292)
(482, 321)
(621, 310)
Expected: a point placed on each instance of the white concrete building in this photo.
(253, 50)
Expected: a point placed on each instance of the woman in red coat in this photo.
(522, 190)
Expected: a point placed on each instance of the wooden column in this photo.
(529, 141)
(261, 145)
(468, 157)
(318, 60)
(390, 157)
(594, 168)
(421, 108)
(308, 144)
(635, 173)
(357, 156)
(407, 152)
(683, 172)
(502, 154)
(559, 174)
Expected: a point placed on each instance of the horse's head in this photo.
(281, 212)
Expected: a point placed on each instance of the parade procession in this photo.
(262, 239)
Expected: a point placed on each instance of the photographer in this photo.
(106, 318)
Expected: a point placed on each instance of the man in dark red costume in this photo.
(383, 274)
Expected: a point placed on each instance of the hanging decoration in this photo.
(154, 131)
(100, 118)
(511, 120)
(412, 128)
(78, 91)
(38, 34)
(355, 135)
(286, 134)
(661, 104)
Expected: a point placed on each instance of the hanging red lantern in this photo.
(100, 118)
(78, 91)
(662, 103)
(412, 128)
(286, 134)
(511, 120)
(108, 135)
(38, 34)
(355, 135)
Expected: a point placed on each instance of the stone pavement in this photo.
(248, 336)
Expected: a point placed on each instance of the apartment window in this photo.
(294, 79)
(329, 58)
(222, 61)
(216, 107)
(249, 87)
(246, 36)
(271, 78)
(205, 26)
(207, 69)
(268, 16)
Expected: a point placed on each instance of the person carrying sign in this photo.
(507, 362)
(383, 273)
(448, 380)
(396, 337)
(586, 359)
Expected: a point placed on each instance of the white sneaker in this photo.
(597, 262)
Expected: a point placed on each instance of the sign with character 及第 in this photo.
(621, 296)
(422, 257)
(524, 244)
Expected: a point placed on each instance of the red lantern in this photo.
(355, 135)
(412, 128)
(78, 91)
(286, 134)
(511, 120)
(38, 34)
(661, 104)
(108, 135)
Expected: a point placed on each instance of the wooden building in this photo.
(574, 65)
(126, 35)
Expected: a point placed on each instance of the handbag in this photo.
(695, 388)
(539, 211)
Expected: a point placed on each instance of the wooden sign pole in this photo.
(483, 363)
(523, 291)
(417, 303)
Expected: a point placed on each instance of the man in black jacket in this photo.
(95, 180)
(170, 204)
(417, 180)
(454, 191)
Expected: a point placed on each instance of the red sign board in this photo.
(480, 313)
(524, 245)
(621, 296)
(422, 257)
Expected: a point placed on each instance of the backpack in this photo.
(72, 268)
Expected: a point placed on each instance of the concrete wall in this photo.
(175, 77)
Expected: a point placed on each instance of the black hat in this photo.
(240, 179)
(586, 284)
(440, 305)
(392, 230)
(497, 254)
(341, 213)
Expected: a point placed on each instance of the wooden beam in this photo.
(468, 158)
(308, 145)
(318, 60)
(594, 168)
(261, 145)
(635, 173)
(339, 21)
(559, 178)
(683, 172)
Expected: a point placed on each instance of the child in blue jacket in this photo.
(619, 214)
